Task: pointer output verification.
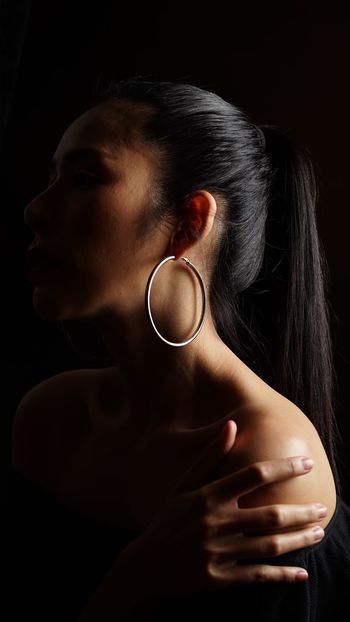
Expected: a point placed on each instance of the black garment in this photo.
(59, 559)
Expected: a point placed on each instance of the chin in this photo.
(52, 306)
(48, 307)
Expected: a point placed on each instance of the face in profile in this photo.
(88, 222)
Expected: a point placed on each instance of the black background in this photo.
(285, 63)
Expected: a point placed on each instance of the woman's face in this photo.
(89, 220)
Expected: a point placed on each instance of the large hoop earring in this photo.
(148, 300)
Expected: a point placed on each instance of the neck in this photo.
(185, 386)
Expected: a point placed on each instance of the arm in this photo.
(125, 589)
(270, 433)
(122, 596)
(173, 557)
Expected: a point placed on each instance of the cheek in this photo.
(103, 253)
(105, 249)
(107, 215)
(93, 221)
(108, 231)
(97, 231)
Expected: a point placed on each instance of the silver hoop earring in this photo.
(148, 300)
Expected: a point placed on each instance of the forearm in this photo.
(123, 595)
(112, 601)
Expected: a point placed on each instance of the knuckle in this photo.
(277, 516)
(212, 529)
(207, 525)
(260, 472)
(283, 574)
(291, 465)
(273, 546)
(261, 574)
(207, 531)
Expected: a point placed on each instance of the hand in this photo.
(195, 540)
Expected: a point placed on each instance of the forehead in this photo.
(112, 128)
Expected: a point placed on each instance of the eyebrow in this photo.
(73, 155)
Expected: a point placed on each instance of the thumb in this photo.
(198, 474)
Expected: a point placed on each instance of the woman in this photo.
(187, 236)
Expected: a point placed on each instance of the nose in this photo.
(34, 214)
(26, 214)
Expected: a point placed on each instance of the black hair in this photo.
(269, 275)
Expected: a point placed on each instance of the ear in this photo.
(200, 210)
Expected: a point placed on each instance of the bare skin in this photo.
(156, 396)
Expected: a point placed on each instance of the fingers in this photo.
(253, 573)
(249, 547)
(199, 473)
(256, 475)
(270, 518)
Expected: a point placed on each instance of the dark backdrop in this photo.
(285, 63)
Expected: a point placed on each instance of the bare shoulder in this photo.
(278, 429)
(43, 416)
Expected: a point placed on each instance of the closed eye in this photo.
(85, 179)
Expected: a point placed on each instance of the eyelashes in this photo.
(81, 179)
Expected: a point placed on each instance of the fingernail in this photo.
(301, 575)
(321, 510)
(318, 533)
(307, 463)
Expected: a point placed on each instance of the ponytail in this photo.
(287, 302)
